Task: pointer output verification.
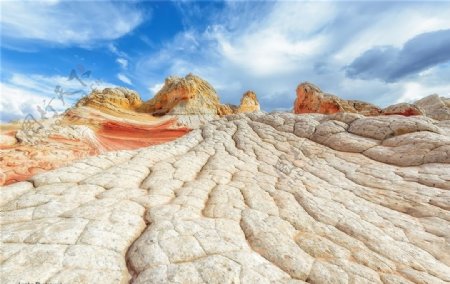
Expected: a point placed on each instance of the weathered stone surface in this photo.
(192, 95)
(115, 99)
(249, 103)
(7, 140)
(402, 109)
(310, 99)
(111, 119)
(184, 96)
(435, 107)
(82, 132)
(249, 198)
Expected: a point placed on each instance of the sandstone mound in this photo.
(403, 109)
(190, 95)
(112, 99)
(249, 198)
(249, 103)
(435, 107)
(310, 99)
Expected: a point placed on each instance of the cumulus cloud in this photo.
(391, 64)
(301, 41)
(67, 22)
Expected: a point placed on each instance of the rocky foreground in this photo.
(248, 198)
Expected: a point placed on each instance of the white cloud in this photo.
(267, 52)
(296, 42)
(124, 78)
(22, 94)
(411, 92)
(122, 62)
(431, 81)
(155, 88)
(277, 43)
(17, 103)
(116, 51)
(67, 22)
(395, 27)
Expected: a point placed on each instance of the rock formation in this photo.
(249, 103)
(113, 119)
(404, 109)
(95, 126)
(7, 140)
(248, 198)
(112, 99)
(435, 107)
(310, 99)
(22, 160)
(340, 195)
(192, 95)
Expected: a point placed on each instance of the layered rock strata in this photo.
(81, 132)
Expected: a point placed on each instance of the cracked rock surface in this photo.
(277, 198)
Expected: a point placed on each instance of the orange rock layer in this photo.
(310, 99)
(120, 136)
(18, 162)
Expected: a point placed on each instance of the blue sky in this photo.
(382, 52)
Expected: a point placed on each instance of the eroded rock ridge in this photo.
(311, 99)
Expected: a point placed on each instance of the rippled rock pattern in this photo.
(277, 198)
